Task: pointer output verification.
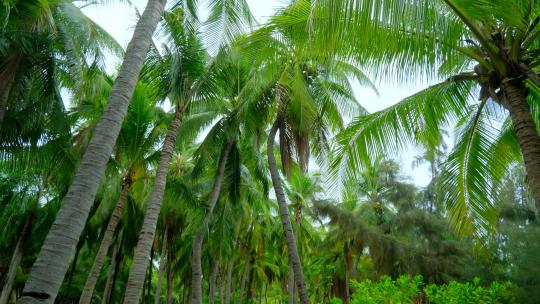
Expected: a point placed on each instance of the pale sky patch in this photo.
(119, 20)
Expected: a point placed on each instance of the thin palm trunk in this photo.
(196, 271)
(110, 276)
(16, 259)
(221, 287)
(169, 276)
(118, 263)
(285, 219)
(88, 290)
(228, 282)
(244, 282)
(290, 284)
(146, 237)
(526, 132)
(212, 283)
(162, 263)
(57, 251)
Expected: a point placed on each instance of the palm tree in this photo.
(52, 262)
(486, 47)
(181, 75)
(135, 151)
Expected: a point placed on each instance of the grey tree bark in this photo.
(290, 285)
(285, 218)
(146, 237)
(196, 267)
(526, 132)
(110, 276)
(221, 287)
(212, 283)
(169, 276)
(88, 290)
(16, 259)
(57, 251)
(162, 263)
(243, 282)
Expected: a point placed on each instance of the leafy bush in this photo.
(403, 290)
(465, 293)
(412, 290)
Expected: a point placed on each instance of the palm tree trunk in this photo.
(162, 262)
(212, 283)
(228, 282)
(244, 281)
(110, 276)
(88, 290)
(16, 259)
(196, 271)
(285, 219)
(290, 284)
(146, 237)
(526, 132)
(57, 251)
(221, 287)
(169, 276)
(118, 263)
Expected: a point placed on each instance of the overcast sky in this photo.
(119, 20)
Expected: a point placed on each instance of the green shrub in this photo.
(471, 292)
(386, 290)
(407, 289)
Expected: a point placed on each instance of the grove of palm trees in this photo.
(227, 160)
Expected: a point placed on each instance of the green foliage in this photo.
(386, 290)
(408, 289)
(471, 293)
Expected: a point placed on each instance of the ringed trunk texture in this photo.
(211, 295)
(285, 219)
(16, 259)
(526, 132)
(93, 276)
(110, 276)
(196, 267)
(162, 262)
(57, 251)
(290, 285)
(146, 237)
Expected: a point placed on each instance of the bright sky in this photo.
(119, 20)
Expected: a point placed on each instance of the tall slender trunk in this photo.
(228, 281)
(118, 262)
(290, 285)
(16, 258)
(212, 283)
(162, 263)
(150, 265)
(526, 132)
(196, 267)
(57, 251)
(347, 259)
(110, 275)
(146, 237)
(285, 219)
(221, 287)
(169, 275)
(93, 276)
(244, 282)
